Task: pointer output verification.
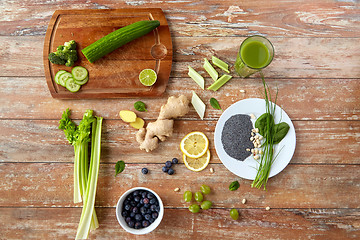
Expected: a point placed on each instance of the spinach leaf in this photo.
(263, 122)
(280, 129)
(140, 106)
(215, 104)
(234, 186)
(119, 167)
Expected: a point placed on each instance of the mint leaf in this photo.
(119, 167)
(215, 104)
(234, 186)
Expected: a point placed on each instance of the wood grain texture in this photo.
(35, 140)
(50, 223)
(320, 18)
(298, 186)
(294, 57)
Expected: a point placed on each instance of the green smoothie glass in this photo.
(255, 53)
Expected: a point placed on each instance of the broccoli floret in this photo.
(65, 54)
(56, 59)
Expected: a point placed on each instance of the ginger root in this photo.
(163, 126)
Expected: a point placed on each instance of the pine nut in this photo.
(267, 208)
(211, 170)
(243, 201)
(256, 157)
(176, 189)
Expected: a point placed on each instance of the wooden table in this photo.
(316, 69)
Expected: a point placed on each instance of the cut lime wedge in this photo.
(147, 77)
(221, 64)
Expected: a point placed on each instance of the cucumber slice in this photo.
(82, 82)
(71, 85)
(79, 73)
(57, 75)
(63, 78)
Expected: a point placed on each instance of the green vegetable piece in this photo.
(194, 208)
(205, 189)
(234, 214)
(234, 186)
(220, 82)
(140, 106)
(281, 129)
(215, 104)
(196, 77)
(221, 64)
(79, 73)
(119, 167)
(206, 205)
(263, 122)
(65, 54)
(118, 38)
(187, 196)
(198, 196)
(210, 70)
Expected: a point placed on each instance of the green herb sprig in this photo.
(119, 167)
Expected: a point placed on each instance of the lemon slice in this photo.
(147, 77)
(194, 144)
(197, 164)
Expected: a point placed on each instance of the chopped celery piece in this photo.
(221, 81)
(198, 104)
(196, 77)
(210, 70)
(221, 64)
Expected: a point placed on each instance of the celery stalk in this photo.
(196, 77)
(198, 104)
(210, 70)
(89, 199)
(220, 82)
(77, 185)
(221, 64)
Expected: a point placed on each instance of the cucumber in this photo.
(79, 73)
(118, 38)
(57, 75)
(82, 82)
(63, 78)
(71, 85)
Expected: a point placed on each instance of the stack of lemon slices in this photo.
(195, 149)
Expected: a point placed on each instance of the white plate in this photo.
(247, 168)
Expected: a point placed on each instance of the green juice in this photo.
(255, 54)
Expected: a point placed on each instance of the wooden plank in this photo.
(298, 186)
(318, 142)
(294, 57)
(302, 99)
(50, 223)
(207, 18)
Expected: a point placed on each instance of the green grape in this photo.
(206, 205)
(198, 196)
(194, 208)
(205, 189)
(234, 214)
(187, 196)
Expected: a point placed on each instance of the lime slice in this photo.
(147, 77)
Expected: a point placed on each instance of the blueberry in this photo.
(137, 225)
(138, 217)
(147, 216)
(165, 169)
(128, 219)
(137, 199)
(174, 160)
(127, 207)
(153, 208)
(142, 210)
(143, 194)
(152, 201)
(146, 205)
(151, 220)
(168, 164)
(171, 171)
(150, 195)
(124, 213)
(132, 214)
(135, 210)
(154, 215)
(133, 203)
(141, 201)
(149, 211)
(146, 200)
(145, 223)
(144, 171)
(131, 224)
(136, 193)
(158, 208)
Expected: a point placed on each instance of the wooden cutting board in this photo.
(116, 74)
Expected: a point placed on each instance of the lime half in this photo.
(147, 77)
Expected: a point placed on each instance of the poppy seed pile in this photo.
(235, 136)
